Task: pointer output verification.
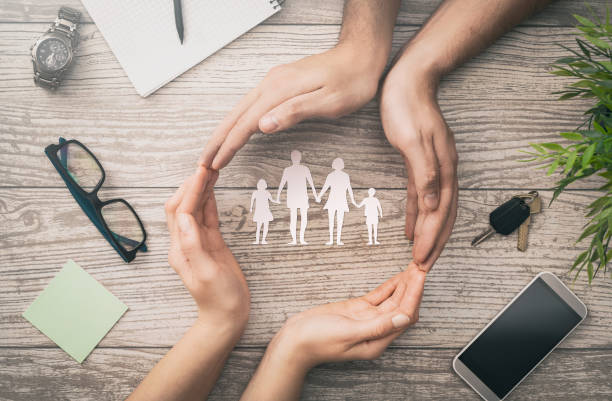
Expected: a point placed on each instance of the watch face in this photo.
(52, 54)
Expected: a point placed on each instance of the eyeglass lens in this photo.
(123, 224)
(81, 166)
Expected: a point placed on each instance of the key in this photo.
(505, 219)
(535, 206)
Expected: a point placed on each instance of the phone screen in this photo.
(519, 338)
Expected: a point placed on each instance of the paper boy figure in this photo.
(371, 212)
(262, 215)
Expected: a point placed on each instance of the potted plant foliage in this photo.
(590, 150)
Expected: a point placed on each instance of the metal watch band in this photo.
(46, 81)
(69, 14)
(67, 22)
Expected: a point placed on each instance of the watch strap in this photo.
(69, 14)
(67, 22)
(46, 80)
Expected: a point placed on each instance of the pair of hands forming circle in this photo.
(330, 84)
(338, 82)
(358, 328)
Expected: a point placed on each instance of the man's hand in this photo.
(330, 84)
(414, 125)
(200, 256)
(359, 328)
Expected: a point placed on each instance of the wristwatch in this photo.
(53, 52)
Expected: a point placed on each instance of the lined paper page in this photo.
(142, 33)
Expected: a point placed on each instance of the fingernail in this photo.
(400, 321)
(184, 223)
(431, 201)
(268, 123)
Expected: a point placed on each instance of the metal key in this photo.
(505, 219)
(535, 206)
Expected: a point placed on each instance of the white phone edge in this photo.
(560, 289)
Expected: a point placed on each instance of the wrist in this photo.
(219, 331)
(370, 59)
(422, 62)
(285, 350)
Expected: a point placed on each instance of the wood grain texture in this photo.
(400, 374)
(42, 228)
(413, 12)
(496, 106)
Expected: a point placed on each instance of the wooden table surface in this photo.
(496, 105)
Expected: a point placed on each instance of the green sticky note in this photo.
(75, 311)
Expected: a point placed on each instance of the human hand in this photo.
(414, 125)
(318, 199)
(200, 256)
(330, 84)
(359, 328)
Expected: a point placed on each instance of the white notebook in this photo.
(142, 33)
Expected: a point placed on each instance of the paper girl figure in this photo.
(262, 215)
(371, 212)
(340, 183)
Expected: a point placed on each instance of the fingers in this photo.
(219, 134)
(281, 84)
(426, 174)
(412, 207)
(171, 206)
(430, 226)
(291, 112)
(189, 241)
(382, 292)
(194, 191)
(391, 303)
(446, 232)
(380, 326)
(211, 215)
(415, 285)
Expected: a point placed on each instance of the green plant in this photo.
(591, 149)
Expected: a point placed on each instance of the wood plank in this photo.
(161, 136)
(42, 228)
(400, 374)
(413, 12)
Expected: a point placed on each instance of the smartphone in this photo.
(519, 337)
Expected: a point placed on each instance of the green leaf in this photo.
(606, 64)
(588, 155)
(553, 166)
(579, 259)
(553, 146)
(590, 230)
(572, 136)
(569, 95)
(590, 271)
(597, 42)
(584, 21)
(562, 73)
(571, 159)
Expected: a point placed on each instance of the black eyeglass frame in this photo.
(90, 202)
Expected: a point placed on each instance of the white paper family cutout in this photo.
(297, 178)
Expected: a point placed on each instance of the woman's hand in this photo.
(200, 256)
(359, 328)
(214, 279)
(414, 125)
(330, 84)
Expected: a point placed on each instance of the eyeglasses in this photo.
(84, 176)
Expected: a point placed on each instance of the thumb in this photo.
(189, 238)
(381, 326)
(290, 112)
